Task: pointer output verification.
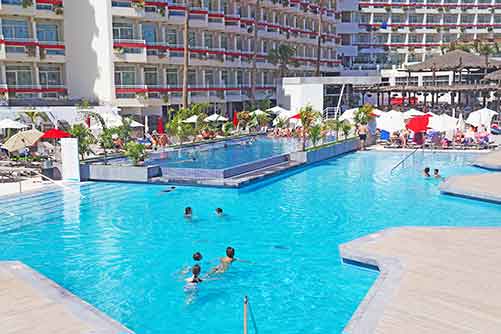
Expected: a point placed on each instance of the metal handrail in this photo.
(403, 160)
(58, 184)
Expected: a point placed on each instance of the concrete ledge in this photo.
(96, 172)
(490, 161)
(486, 187)
(31, 303)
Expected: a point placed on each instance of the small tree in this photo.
(85, 139)
(346, 128)
(227, 127)
(135, 152)
(334, 125)
(364, 114)
(244, 118)
(106, 142)
(36, 116)
(308, 117)
(316, 134)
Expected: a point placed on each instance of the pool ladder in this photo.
(403, 160)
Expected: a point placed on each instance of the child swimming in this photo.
(195, 279)
(225, 262)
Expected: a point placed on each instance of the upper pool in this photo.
(121, 247)
(225, 154)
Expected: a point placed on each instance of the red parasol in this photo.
(418, 123)
(235, 119)
(160, 125)
(55, 134)
(297, 116)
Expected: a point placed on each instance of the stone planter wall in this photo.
(324, 153)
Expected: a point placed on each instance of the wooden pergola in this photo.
(457, 62)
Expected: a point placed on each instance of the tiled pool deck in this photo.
(432, 280)
(485, 187)
(31, 303)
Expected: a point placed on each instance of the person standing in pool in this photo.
(188, 212)
(195, 279)
(362, 131)
(426, 172)
(219, 212)
(436, 174)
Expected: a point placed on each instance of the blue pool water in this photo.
(122, 246)
(224, 155)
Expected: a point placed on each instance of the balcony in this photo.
(129, 50)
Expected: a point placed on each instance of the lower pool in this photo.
(122, 246)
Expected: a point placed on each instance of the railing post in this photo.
(246, 302)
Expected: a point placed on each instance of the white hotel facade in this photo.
(129, 53)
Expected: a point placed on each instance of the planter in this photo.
(326, 152)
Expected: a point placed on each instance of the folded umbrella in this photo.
(22, 139)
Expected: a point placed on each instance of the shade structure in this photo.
(377, 112)
(160, 125)
(10, 124)
(55, 134)
(418, 123)
(454, 60)
(215, 118)
(481, 117)
(444, 123)
(191, 120)
(391, 121)
(285, 115)
(296, 116)
(258, 112)
(277, 110)
(348, 115)
(22, 139)
(461, 123)
(412, 112)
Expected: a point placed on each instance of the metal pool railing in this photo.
(248, 310)
(403, 160)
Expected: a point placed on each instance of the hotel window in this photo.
(48, 32)
(415, 38)
(224, 77)
(450, 19)
(467, 18)
(240, 78)
(433, 19)
(447, 38)
(151, 76)
(192, 39)
(397, 38)
(397, 18)
(49, 75)
(414, 58)
(192, 77)
(171, 35)
(149, 33)
(416, 18)
(125, 76)
(224, 41)
(380, 18)
(19, 76)
(123, 30)
(497, 19)
(209, 78)
(171, 76)
(15, 29)
(208, 37)
(483, 19)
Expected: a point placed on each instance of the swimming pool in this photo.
(225, 154)
(121, 247)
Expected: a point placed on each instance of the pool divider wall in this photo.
(95, 172)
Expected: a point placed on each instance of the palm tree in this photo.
(256, 50)
(363, 114)
(35, 116)
(282, 56)
(316, 134)
(334, 124)
(85, 139)
(308, 117)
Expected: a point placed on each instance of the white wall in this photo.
(295, 96)
(89, 50)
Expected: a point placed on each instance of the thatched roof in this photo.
(494, 76)
(431, 88)
(454, 60)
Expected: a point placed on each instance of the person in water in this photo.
(169, 190)
(219, 212)
(436, 174)
(188, 212)
(197, 256)
(226, 261)
(195, 279)
(426, 172)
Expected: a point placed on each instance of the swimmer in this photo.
(219, 212)
(226, 261)
(188, 212)
(436, 174)
(197, 256)
(169, 190)
(426, 172)
(195, 279)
